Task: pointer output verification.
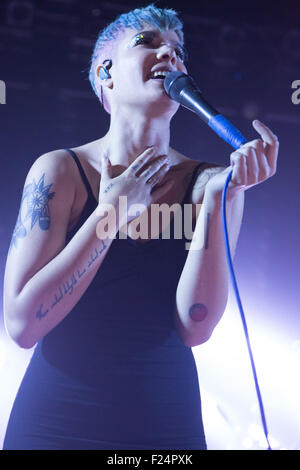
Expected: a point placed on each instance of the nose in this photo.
(167, 51)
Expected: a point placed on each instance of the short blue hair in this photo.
(161, 18)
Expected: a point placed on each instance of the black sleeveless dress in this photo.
(114, 374)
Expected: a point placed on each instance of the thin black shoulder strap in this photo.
(191, 184)
(82, 173)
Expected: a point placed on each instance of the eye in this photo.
(181, 52)
(148, 38)
(142, 38)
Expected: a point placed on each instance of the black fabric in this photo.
(114, 374)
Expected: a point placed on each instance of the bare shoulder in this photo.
(204, 174)
(57, 160)
(205, 171)
(59, 166)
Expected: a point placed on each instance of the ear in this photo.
(102, 85)
(102, 80)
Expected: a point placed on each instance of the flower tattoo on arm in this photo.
(34, 205)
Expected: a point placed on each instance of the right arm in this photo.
(44, 279)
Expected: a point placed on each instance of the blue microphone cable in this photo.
(228, 132)
(183, 89)
(229, 260)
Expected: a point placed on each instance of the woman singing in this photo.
(112, 305)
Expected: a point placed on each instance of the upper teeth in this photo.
(160, 72)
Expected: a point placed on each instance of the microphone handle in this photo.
(227, 131)
(189, 98)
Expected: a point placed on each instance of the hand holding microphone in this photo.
(252, 162)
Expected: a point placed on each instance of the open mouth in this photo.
(159, 75)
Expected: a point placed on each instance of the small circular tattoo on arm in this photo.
(198, 312)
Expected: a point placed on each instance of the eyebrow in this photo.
(155, 33)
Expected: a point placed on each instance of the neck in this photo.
(128, 137)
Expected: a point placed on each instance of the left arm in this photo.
(202, 290)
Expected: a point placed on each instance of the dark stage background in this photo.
(244, 56)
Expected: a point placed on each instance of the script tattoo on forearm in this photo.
(68, 286)
(34, 204)
(198, 312)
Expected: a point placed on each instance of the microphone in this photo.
(181, 87)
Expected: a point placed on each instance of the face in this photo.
(137, 56)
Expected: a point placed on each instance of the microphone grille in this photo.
(172, 82)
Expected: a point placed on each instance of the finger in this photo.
(264, 169)
(267, 135)
(239, 168)
(158, 175)
(105, 167)
(263, 164)
(155, 166)
(271, 150)
(258, 144)
(140, 161)
(252, 167)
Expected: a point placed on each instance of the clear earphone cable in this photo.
(234, 283)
